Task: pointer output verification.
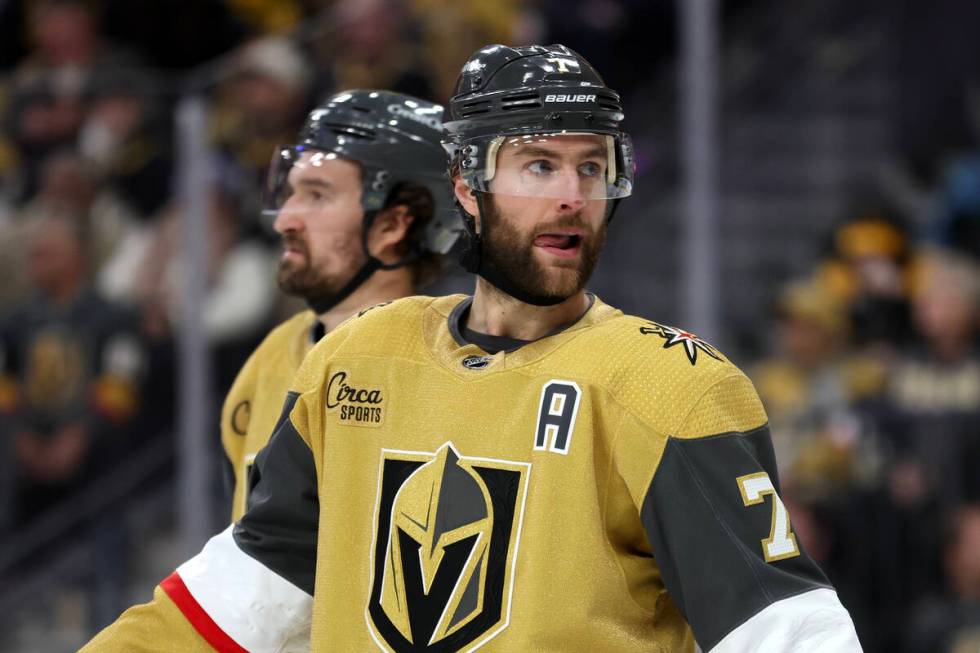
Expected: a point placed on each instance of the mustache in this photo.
(573, 221)
(294, 241)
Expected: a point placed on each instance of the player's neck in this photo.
(382, 286)
(498, 314)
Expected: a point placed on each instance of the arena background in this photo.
(807, 199)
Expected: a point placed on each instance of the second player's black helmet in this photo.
(523, 92)
(395, 138)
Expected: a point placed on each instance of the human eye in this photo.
(540, 167)
(314, 195)
(590, 169)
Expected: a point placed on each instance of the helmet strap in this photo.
(321, 305)
(612, 209)
(472, 250)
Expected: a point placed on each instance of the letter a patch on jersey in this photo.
(445, 548)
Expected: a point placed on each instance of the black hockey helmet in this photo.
(524, 96)
(394, 137)
(507, 94)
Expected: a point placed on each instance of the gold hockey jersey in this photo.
(607, 488)
(254, 401)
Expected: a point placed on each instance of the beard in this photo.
(300, 278)
(509, 254)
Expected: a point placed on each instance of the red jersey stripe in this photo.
(174, 586)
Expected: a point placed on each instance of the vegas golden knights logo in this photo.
(445, 545)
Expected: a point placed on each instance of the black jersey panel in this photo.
(279, 528)
(709, 540)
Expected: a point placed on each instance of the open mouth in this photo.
(564, 245)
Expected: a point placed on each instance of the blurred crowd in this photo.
(90, 220)
(873, 384)
(873, 392)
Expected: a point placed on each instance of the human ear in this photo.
(466, 197)
(388, 233)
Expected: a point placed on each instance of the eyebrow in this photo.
(316, 183)
(533, 150)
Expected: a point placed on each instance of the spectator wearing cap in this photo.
(869, 267)
(261, 105)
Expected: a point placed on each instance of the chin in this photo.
(561, 279)
(563, 290)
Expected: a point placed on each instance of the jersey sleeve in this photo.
(722, 539)
(157, 626)
(251, 587)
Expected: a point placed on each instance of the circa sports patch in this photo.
(356, 404)
(673, 336)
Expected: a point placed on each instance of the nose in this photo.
(288, 219)
(571, 195)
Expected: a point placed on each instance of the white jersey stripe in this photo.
(811, 622)
(262, 611)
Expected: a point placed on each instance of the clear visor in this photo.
(570, 165)
(299, 178)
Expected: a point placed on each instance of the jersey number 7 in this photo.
(781, 543)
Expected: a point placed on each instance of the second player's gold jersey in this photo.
(254, 402)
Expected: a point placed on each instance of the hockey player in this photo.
(363, 209)
(524, 470)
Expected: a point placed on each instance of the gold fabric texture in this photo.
(255, 400)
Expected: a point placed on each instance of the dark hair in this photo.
(419, 202)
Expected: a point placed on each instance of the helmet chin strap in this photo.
(474, 261)
(321, 305)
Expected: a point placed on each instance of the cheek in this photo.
(336, 242)
(594, 214)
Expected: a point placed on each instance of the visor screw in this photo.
(382, 175)
(469, 162)
(470, 150)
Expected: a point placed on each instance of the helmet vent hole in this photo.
(353, 132)
(474, 108)
(520, 101)
(609, 102)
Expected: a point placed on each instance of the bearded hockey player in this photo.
(365, 215)
(524, 470)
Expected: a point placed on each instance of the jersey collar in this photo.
(444, 337)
